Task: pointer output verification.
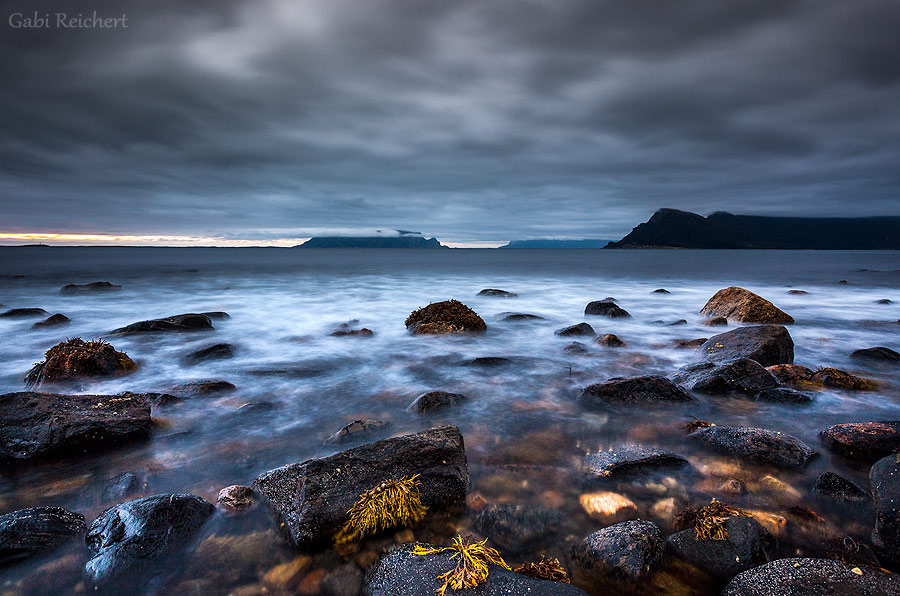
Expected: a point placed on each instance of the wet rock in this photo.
(96, 287)
(629, 458)
(27, 532)
(628, 550)
(609, 340)
(733, 486)
(809, 577)
(185, 322)
(747, 545)
(757, 445)
(843, 282)
(606, 308)
(402, 572)
(449, 316)
(646, 389)
(661, 291)
(123, 485)
(879, 354)
(864, 440)
(347, 331)
(716, 322)
(52, 321)
(217, 314)
(497, 293)
(235, 497)
(684, 344)
(516, 527)
(519, 316)
(310, 500)
(346, 580)
(576, 347)
(839, 379)
(767, 344)
(832, 486)
(579, 330)
(738, 376)
(885, 479)
(76, 359)
(793, 375)
(213, 352)
(677, 323)
(126, 536)
(202, 389)
(434, 401)
(488, 361)
(783, 395)
(356, 430)
(744, 306)
(798, 292)
(286, 576)
(21, 313)
(607, 506)
(33, 424)
(884, 301)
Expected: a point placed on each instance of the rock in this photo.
(716, 322)
(213, 352)
(767, 344)
(798, 292)
(738, 376)
(310, 500)
(783, 395)
(346, 331)
(628, 458)
(757, 445)
(52, 321)
(201, 389)
(356, 430)
(839, 379)
(435, 400)
(843, 282)
(812, 577)
(286, 576)
(576, 347)
(618, 390)
(864, 440)
(744, 306)
(217, 314)
(496, 292)
(606, 308)
(519, 316)
(682, 344)
(879, 354)
(346, 580)
(488, 361)
(96, 287)
(33, 424)
(21, 313)
(581, 329)
(661, 291)
(235, 497)
(609, 340)
(185, 322)
(793, 375)
(838, 488)
(122, 486)
(885, 479)
(400, 572)
(747, 545)
(517, 527)
(884, 301)
(449, 316)
(607, 506)
(35, 530)
(126, 536)
(76, 359)
(628, 550)
(733, 486)
(677, 323)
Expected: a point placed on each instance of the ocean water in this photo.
(524, 433)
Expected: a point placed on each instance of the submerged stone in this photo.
(783, 395)
(21, 313)
(497, 293)
(628, 550)
(609, 340)
(517, 527)
(435, 400)
(356, 430)
(214, 352)
(747, 544)
(581, 329)
(52, 321)
(832, 486)
(877, 354)
(606, 308)
(185, 322)
(96, 287)
(647, 389)
(757, 445)
(629, 458)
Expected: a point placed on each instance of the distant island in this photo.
(552, 243)
(670, 228)
(402, 239)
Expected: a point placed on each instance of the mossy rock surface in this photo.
(449, 316)
(76, 359)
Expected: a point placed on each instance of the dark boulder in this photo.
(185, 322)
(33, 424)
(884, 301)
(757, 445)
(783, 395)
(52, 321)
(792, 375)
(128, 536)
(517, 527)
(96, 287)
(356, 430)
(497, 293)
(812, 577)
(863, 440)
(832, 486)
(579, 330)
(488, 361)
(798, 292)
(214, 352)
(661, 291)
(435, 400)
(202, 389)
(310, 500)
(744, 306)
(606, 308)
(609, 340)
(839, 379)
(885, 479)
(22, 313)
(576, 347)
(402, 573)
(124, 485)
(646, 389)
(878, 354)
(629, 550)
(76, 359)
(738, 376)
(629, 458)
(747, 545)
(27, 532)
(235, 498)
(519, 316)
(449, 316)
(350, 332)
(767, 344)
(217, 315)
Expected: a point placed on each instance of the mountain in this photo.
(551, 243)
(404, 240)
(670, 228)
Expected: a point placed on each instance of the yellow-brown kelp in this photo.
(708, 521)
(472, 559)
(546, 568)
(390, 504)
(75, 358)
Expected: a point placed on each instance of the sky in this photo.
(476, 121)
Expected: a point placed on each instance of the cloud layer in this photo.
(467, 120)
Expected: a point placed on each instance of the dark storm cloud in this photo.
(469, 120)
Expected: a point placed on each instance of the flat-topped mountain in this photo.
(670, 228)
(402, 240)
(553, 243)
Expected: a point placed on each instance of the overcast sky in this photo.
(473, 121)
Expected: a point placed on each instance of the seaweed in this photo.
(696, 424)
(472, 559)
(389, 504)
(708, 521)
(76, 357)
(546, 568)
(449, 316)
